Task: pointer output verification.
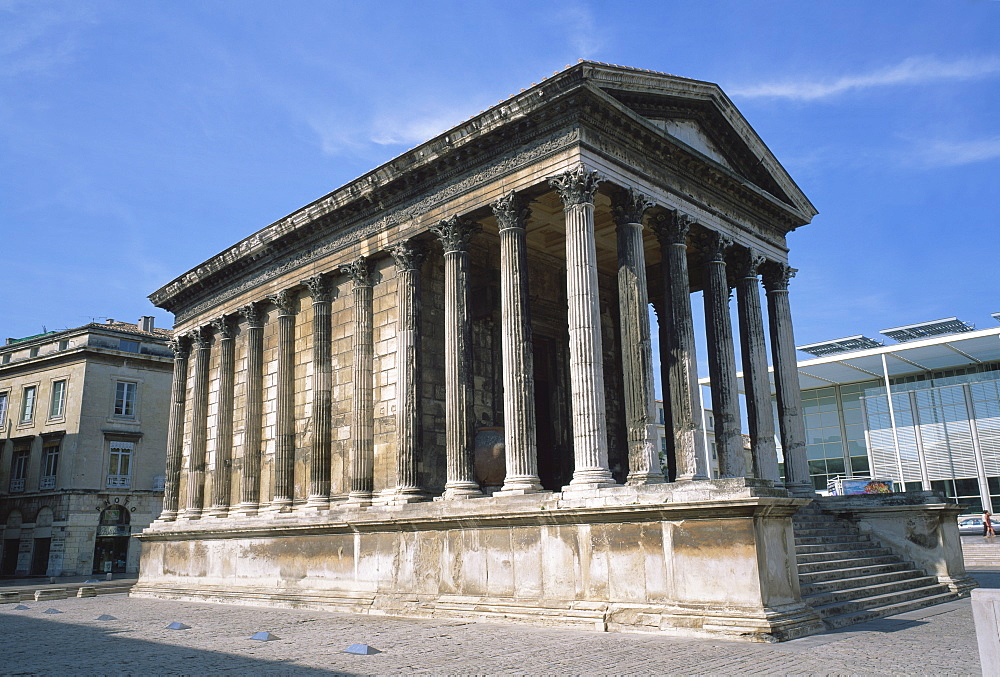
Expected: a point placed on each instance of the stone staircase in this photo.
(849, 578)
(981, 553)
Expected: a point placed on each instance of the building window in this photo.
(64, 344)
(33, 352)
(6, 358)
(28, 404)
(19, 469)
(125, 399)
(50, 464)
(3, 408)
(120, 469)
(58, 405)
(128, 346)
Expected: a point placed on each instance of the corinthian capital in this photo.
(628, 206)
(455, 233)
(716, 246)
(360, 272)
(576, 186)
(319, 287)
(251, 312)
(748, 262)
(224, 327)
(672, 227)
(777, 275)
(180, 345)
(510, 212)
(408, 255)
(199, 338)
(284, 300)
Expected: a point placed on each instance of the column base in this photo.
(404, 496)
(217, 511)
(246, 509)
(279, 505)
(167, 516)
(800, 490)
(459, 490)
(692, 478)
(317, 503)
(190, 514)
(519, 485)
(638, 479)
(591, 478)
(359, 499)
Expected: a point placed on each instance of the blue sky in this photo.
(139, 138)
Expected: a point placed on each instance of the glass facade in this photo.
(940, 431)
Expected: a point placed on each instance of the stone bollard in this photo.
(86, 591)
(50, 593)
(985, 607)
(9, 597)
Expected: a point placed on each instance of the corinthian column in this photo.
(225, 333)
(760, 420)
(518, 371)
(253, 410)
(199, 425)
(362, 425)
(455, 234)
(576, 188)
(284, 455)
(786, 379)
(175, 433)
(637, 352)
(722, 360)
(322, 398)
(679, 348)
(408, 257)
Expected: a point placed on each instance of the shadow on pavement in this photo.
(38, 646)
(988, 578)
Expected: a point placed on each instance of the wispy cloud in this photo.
(37, 38)
(912, 71)
(581, 27)
(954, 153)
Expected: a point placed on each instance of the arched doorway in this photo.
(111, 544)
(11, 543)
(42, 536)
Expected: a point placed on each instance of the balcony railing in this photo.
(119, 481)
(48, 482)
(17, 485)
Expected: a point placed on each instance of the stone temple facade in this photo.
(344, 379)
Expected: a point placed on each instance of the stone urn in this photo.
(491, 462)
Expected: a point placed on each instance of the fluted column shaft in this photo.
(520, 441)
(760, 420)
(322, 396)
(221, 480)
(454, 234)
(284, 454)
(576, 188)
(722, 361)
(363, 422)
(199, 426)
(253, 409)
(175, 431)
(408, 257)
(786, 380)
(635, 339)
(679, 349)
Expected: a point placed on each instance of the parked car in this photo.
(973, 524)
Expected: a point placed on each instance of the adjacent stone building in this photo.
(83, 428)
(430, 392)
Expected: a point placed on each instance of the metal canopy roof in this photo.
(840, 345)
(929, 354)
(910, 332)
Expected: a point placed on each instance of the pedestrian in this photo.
(987, 525)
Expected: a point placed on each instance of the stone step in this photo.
(843, 538)
(849, 582)
(826, 546)
(838, 554)
(866, 591)
(851, 572)
(846, 563)
(826, 531)
(880, 600)
(888, 610)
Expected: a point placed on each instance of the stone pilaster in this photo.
(363, 422)
(786, 379)
(225, 334)
(199, 424)
(175, 432)
(628, 208)
(576, 188)
(455, 234)
(678, 350)
(253, 409)
(284, 456)
(408, 256)
(757, 384)
(722, 359)
(520, 442)
(322, 392)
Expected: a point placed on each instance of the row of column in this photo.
(577, 189)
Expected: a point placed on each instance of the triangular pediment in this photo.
(691, 133)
